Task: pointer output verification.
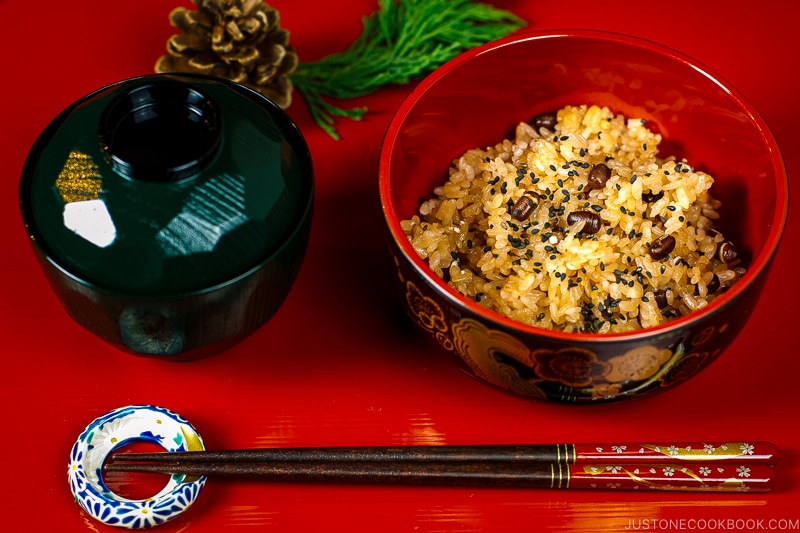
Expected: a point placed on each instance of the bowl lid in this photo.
(165, 184)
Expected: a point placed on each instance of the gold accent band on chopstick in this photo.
(559, 476)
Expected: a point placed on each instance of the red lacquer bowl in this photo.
(476, 100)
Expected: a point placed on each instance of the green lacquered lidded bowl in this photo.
(170, 213)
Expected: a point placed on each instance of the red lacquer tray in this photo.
(340, 365)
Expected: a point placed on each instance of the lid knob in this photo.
(163, 131)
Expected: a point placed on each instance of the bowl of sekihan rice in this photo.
(580, 216)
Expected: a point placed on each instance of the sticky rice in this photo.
(577, 224)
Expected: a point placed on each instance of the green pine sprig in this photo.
(401, 41)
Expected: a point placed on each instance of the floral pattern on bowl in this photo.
(568, 373)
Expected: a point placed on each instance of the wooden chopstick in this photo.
(744, 468)
(731, 452)
(759, 478)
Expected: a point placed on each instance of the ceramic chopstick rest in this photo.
(109, 433)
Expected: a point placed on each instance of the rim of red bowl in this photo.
(757, 268)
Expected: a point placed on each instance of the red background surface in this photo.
(340, 364)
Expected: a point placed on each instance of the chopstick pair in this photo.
(717, 467)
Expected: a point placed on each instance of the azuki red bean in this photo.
(649, 197)
(661, 298)
(523, 208)
(599, 176)
(727, 252)
(713, 285)
(544, 120)
(591, 221)
(662, 247)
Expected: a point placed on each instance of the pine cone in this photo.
(240, 40)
